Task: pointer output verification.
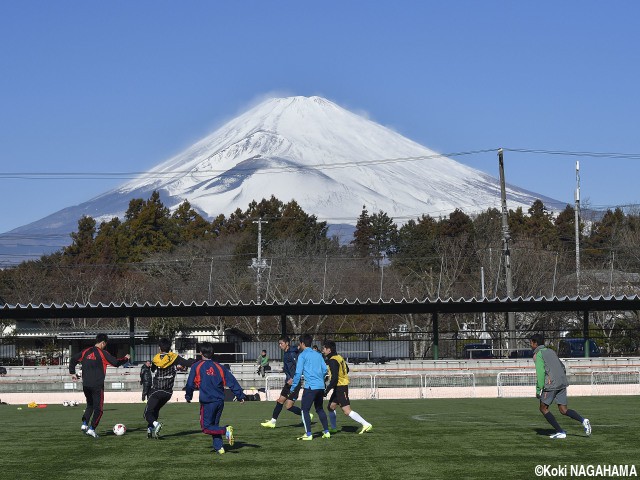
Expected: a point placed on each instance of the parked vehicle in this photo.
(521, 353)
(574, 348)
(477, 351)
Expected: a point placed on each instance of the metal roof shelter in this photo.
(356, 307)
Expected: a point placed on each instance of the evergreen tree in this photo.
(190, 224)
(384, 236)
(148, 228)
(81, 249)
(539, 226)
(416, 246)
(565, 229)
(604, 236)
(363, 234)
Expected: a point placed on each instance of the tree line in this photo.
(157, 255)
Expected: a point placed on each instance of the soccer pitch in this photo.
(437, 439)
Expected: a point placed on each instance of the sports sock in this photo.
(575, 415)
(353, 414)
(276, 411)
(295, 410)
(332, 418)
(322, 415)
(552, 420)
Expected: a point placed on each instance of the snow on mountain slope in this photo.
(328, 159)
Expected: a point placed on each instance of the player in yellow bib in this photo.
(339, 383)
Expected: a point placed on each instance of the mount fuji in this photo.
(308, 149)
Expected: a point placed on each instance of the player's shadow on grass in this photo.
(181, 434)
(295, 425)
(544, 431)
(237, 446)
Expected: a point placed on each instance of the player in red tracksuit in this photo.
(211, 378)
(94, 361)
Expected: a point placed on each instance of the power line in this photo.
(294, 168)
(629, 156)
(236, 170)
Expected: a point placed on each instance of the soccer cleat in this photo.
(306, 437)
(333, 430)
(156, 430)
(326, 435)
(587, 426)
(91, 432)
(221, 451)
(558, 435)
(229, 435)
(365, 429)
(149, 432)
(268, 424)
(84, 428)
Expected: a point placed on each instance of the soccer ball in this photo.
(119, 429)
(65, 403)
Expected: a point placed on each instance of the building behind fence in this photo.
(234, 347)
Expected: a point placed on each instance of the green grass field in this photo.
(457, 439)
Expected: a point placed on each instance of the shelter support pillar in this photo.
(283, 324)
(585, 332)
(132, 338)
(435, 327)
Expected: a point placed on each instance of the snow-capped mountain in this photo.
(330, 160)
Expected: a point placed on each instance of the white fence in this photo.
(509, 384)
(603, 382)
(395, 386)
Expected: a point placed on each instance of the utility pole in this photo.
(258, 264)
(577, 222)
(511, 318)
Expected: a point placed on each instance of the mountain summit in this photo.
(308, 149)
(330, 160)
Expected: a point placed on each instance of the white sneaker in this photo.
(156, 430)
(587, 427)
(558, 435)
(91, 432)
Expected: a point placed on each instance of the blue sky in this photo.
(120, 86)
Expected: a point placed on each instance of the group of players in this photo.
(211, 378)
(305, 369)
(305, 361)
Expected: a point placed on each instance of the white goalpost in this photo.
(615, 382)
(516, 384)
(389, 386)
(450, 385)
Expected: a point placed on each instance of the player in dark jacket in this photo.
(289, 359)
(210, 378)
(94, 361)
(165, 365)
(146, 379)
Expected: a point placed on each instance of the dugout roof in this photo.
(344, 307)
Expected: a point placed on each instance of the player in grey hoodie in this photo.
(552, 385)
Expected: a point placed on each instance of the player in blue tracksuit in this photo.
(210, 378)
(311, 365)
(287, 398)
